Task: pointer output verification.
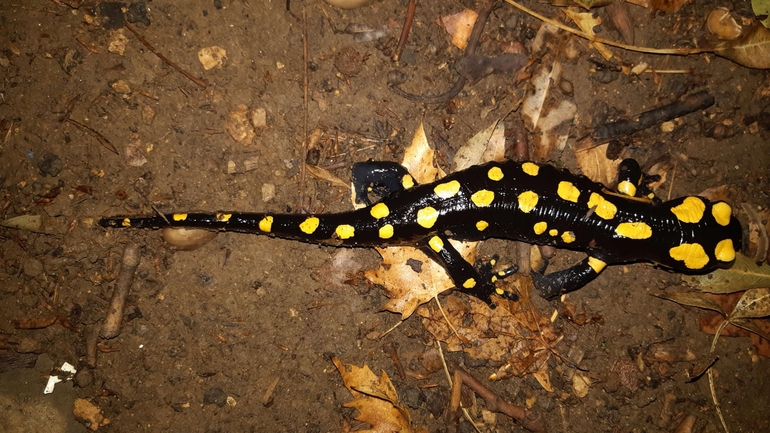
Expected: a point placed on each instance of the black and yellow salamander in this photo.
(534, 203)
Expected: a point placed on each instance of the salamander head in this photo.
(711, 235)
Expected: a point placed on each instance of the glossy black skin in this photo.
(458, 215)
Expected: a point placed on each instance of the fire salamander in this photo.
(529, 202)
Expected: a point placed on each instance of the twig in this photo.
(114, 316)
(594, 39)
(529, 419)
(99, 137)
(470, 50)
(405, 30)
(144, 42)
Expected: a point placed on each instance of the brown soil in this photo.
(207, 333)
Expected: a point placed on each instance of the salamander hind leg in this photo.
(568, 280)
(476, 281)
(381, 179)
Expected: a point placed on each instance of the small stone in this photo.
(84, 377)
(268, 192)
(259, 118)
(121, 86)
(118, 42)
(212, 57)
(215, 396)
(33, 267)
(50, 165)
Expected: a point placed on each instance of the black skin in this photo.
(496, 200)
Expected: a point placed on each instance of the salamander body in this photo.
(534, 203)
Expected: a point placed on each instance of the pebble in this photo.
(33, 267)
(215, 396)
(50, 165)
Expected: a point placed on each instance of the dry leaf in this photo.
(513, 333)
(323, 174)
(33, 223)
(595, 165)
(581, 384)
(487, 145)
(751, 50)
(375, 398)
(459, 27)
(551, 124)
(587, 22)
(618, 13)
(238, 125)
(754, 303)
(694, 299)
(410, 278)
(419, 158)
(743, 275)
(671, 6)
(761, 8)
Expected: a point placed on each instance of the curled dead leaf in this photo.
(722, 24)
(752, 50)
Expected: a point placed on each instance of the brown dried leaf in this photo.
(595, 165)
(751, 50)
(671, 6)
(694, 299)
(586, 21)
(323, 174)
(375, 398)
(459, 26)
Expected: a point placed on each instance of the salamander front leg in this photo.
(558, 283)
(476, 281)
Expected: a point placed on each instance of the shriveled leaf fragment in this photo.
(375, 398)
(722, 24)
(590, 4)
(33, 223)
(587, 22)
(670, 6)
(513, 333)
(212, 57)
(757, 329)
(459, 26)
(239, 126)
(751, 50)
(754, 303)
(693, 299)
(581, 384)
(744, 275)
(323, 174)
(761, 9)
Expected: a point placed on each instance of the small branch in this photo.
(114, 316)
(144, 42)
(594, 39)
(529, 419)
(406, 29)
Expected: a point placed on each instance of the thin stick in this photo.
(99, 137)
(144, 42)
(594, 39)
(406, 29)
(114, 316)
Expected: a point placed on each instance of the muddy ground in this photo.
(237, 335)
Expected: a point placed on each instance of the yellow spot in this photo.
(499, 291)
(568, 191)
(482, 225)
(469, 283)
(427, 216)
(345, 231)
(722, 212)
(540, 227)
(266, 224)
(690, 211)
(386, 231)
(483, 198)
(627, 187)
(596, 264)
(725, 252)
(568, 237)
(530, 168)
(309, 225)
(495, 173)
(447, 190)
(436, 244)
(493, 279)
(634, 230)
(224, 217)
(380, 210)
(527, 201)
(126, 222)
(693, 255)
(603, 208)
(407, 181)
(179, 216)
(553, 232)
